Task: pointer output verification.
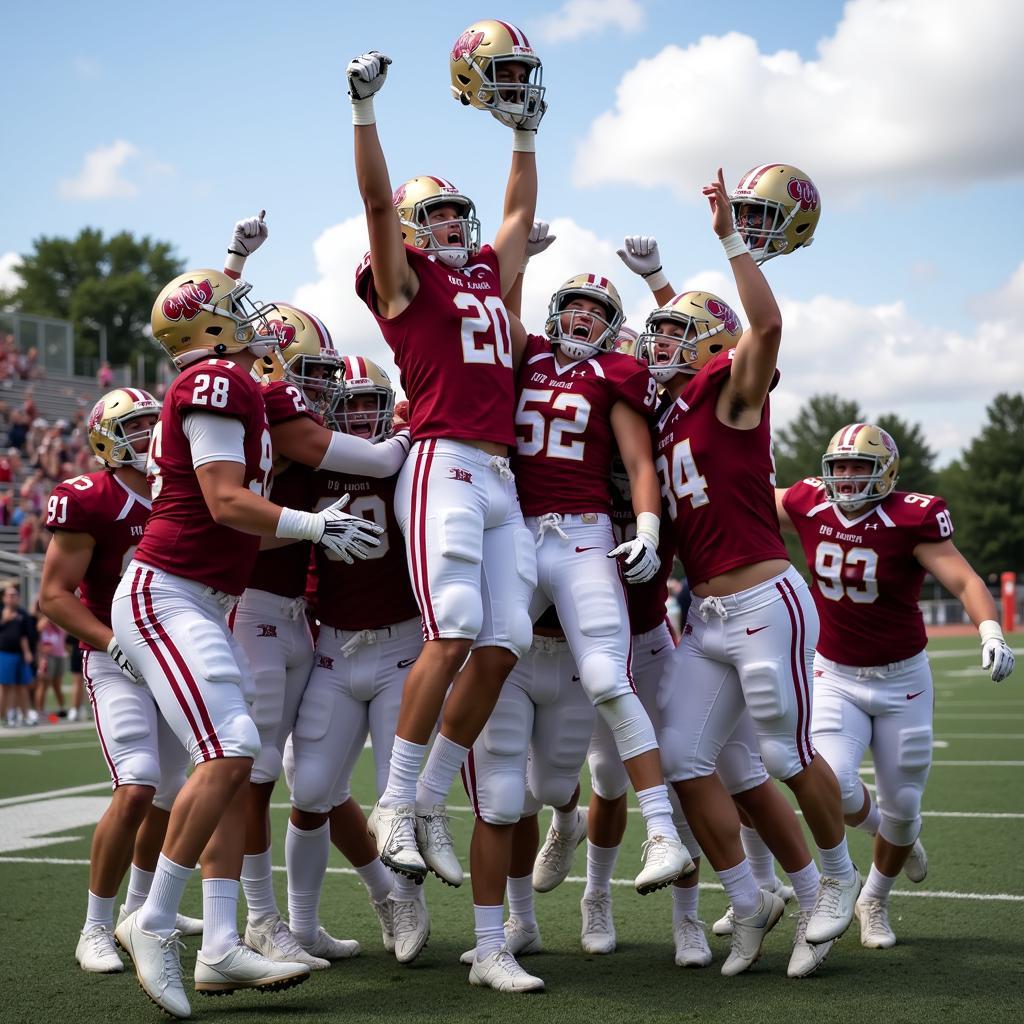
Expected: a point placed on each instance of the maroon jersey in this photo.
(866, 578)
(718, 481)
(282, 571)
(181, 536)
(375, 591)
(564, 439)
(114, 516)
(453, 348)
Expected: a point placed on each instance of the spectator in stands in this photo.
(10, 464)
(15, 658)
(78, 708)
(105, 376)
(29, 406)
(37, 488)
(17, 431)
(50, 667)
(35, 371)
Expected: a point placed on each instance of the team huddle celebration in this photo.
(281, 564)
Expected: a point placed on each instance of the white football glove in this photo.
(120, 659)
(522, 122)
(249, 235)
(366, 74)
(640, 253)
(347, 536)
(995, 653)
(640, 559)
(539, 239)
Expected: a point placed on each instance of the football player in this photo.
(868, 547)
(437, 297)
(749, 636)
(370, 634)
(776, 209)
(209, 464)
(96, 520)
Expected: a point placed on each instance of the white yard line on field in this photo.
(53, 793)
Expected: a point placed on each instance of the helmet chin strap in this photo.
(457, 257)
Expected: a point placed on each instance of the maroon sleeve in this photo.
(284, 401)
(66, 510)
(215, 386)
(633, 384)
(936, 523)
(803, 496)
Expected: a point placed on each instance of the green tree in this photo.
(800, 445)
(985, 490)
(94, 280)
(917, 460)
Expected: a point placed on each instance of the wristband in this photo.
(235, 262)
(296, 525)
(734, 245)
(648, 526)
(362, 111)
(524, 141)
(990, 630)
(656, 279)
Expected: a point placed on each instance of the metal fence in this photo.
(53, 340)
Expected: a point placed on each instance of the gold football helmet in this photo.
(575, 339)
(871, 444)
(365, 379)
(204, 313)
(686, 334)
(307, 358)
(776, 208)
(414, 201)
(483, 72)
(112, 444)
(626, 341)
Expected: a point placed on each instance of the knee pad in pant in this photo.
(239, 737)
(458, 610)
(898, 830)
(630, 727)
(501, 795)
(551, 789)
(739, 767)
(139, 768)
(267, 766)
(781, 757)
(604, 678)
(608, 778)
(520, 629)
(531, 805)
(169, 787)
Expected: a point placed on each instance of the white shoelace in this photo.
(655, 850)
(438, 829)
(353, 643)
(500, 465)
(877, 914)
(556, 847)
(691, 934)
(712, 606)
(101, 941)
(550, 521)
(598, 914)
(404, 917)
(507, 963)
(802, 917)
(283, 938)
(403, 829)
(172, 948)
(829, 896)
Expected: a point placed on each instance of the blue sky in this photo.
(902, 113)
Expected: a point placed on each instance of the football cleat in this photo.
(411, 923)
(242, 967)
(598, 932)
(692, 949)
(157, 960)
(916, 867)
(875, 931)
(664, 860)
(805, 958)
(554, 861)
(520, 940)
(271, 937)
(434, 838)
(387, 929)
(183, 924)
(748, 934)
(97, 952)
(393, 829)
(723, 926)
(833, 908)
(502, 972)
(326, 947)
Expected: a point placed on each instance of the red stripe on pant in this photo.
(795, 657)
(802, 663)
(430, 630)
(469, 781)
(414, 567)
(96, 719)
(165, 667)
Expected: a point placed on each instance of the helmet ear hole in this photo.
(466, 81)
(801, 228)
(215, 330)
(715, 348)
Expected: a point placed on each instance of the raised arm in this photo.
(394, 280)
(784, 521)
(303, 440)
(640, 253)
(247, 237)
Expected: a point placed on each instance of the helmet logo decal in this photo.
(725, 313)
(187, 300)
(96, 415)
(286, 332)
(803, 192)
(466, 44)
(396, 200)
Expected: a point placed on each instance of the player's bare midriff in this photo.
(743, 578)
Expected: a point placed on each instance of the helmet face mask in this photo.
(572, 329)
(417, 199)
(684, 335)
(867, 444)
(116, 438)
(368, 407)
(776, 208)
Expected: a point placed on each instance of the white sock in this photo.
(878, 886)
(406, 759)
(489, 928)
(657, 812)
(220, 917)
(684, 903)
(377, 879)
(258, 885)
(836, 862)
(160, 911)
(520, 899)
(872, 821)
(139, 884)
(564, 821)
(306, 852)
(762, 860)
(100, 911)
(805, 884)
(742, 890)
(600, 867)
(405, 889)
(443, 764)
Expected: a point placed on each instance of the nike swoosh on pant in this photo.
(579, 549)
(911, 696)
(406, 662)
(751, 632)
(660, 649)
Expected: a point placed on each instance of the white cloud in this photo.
(904, 93)
(578, 18)
(100, 176)
(9, 279)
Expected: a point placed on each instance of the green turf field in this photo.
(960, 952)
